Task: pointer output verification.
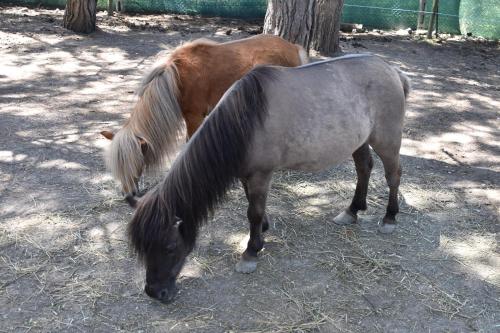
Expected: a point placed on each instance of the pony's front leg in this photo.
(257, 187)
(265, 222)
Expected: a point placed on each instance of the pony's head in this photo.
(125, 159)
(158, 239)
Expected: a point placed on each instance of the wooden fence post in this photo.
(435, 4)
(421, 15)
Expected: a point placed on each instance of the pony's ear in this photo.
(108, 135)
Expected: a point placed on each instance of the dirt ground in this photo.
(64, 261)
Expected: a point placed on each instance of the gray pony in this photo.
(306, 118)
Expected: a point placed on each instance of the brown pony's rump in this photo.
(186, 85)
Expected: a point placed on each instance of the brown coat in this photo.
(207, 69)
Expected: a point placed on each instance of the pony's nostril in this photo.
(163, 294)
(149, 291)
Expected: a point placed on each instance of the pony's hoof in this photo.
(344, 218)
(386, 228)
(246, 266)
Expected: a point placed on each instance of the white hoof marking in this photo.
(344, 218)
(246, 266)
(386, 228)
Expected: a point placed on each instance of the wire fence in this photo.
(477, 17)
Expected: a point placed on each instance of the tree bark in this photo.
(80, 16)
(310, 23)
(290, 19)
(326, 32)
(110, 7)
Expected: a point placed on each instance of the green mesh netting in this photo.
(101, 4)
(225, 8)
(393, 14)
(480, 18)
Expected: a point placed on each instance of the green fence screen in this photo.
(393, 14)
(479, 17)
(225, 8)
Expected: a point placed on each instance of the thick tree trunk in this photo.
(291, 19)
(326, 33)
(80, 15)
(310, 23)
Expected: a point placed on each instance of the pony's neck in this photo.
(212, 160)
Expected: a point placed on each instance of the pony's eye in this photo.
(170, 248)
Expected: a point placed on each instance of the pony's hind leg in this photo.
(364, 164)
(392, 170)
(257, 187)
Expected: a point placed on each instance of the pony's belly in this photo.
(297, 149)
(317, 160)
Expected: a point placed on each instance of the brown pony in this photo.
(186, 85)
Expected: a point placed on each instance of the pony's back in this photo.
(207, 70)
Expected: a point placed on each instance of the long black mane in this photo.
(207, 167)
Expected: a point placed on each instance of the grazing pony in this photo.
(274, 118)
(186, 85)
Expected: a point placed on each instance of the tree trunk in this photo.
(291, 19)
(110, 7)
(310, 23)
(80, 15)
(326, 30)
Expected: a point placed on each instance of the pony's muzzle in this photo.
(165, 295)
(131, 200)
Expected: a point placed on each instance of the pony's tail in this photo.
(157, 117)
(405, 81)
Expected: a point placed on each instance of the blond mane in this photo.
(156, 120)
